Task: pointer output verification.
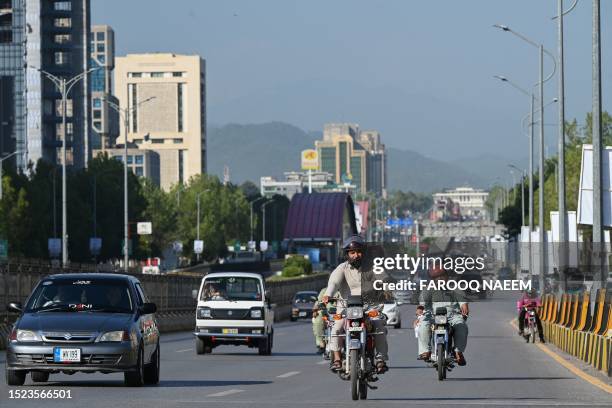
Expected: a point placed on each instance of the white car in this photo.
(392, 311)
(234, 308)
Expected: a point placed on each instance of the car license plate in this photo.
(230, 331)
(302, 314)
(65, 355)
(355, 329)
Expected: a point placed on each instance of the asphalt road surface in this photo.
(502, 371)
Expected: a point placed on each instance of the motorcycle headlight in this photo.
(440, 319)
(28, 335)
(118, 335)
(204, 313)
(256, 314)
(354, 313)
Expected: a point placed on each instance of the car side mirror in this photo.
(148, 308)
(194, 294)
(14, 307)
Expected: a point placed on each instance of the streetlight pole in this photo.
(125, 114)
(1, 161)
(599, 280)
(522, 172)
(541, 229)
(64, 86)
(263, 226)
(198, 227)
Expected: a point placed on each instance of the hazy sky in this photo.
(421, 72)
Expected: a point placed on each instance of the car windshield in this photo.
(305, 298)
(81, 295)
(231, 288)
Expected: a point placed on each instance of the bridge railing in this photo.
(580, 327)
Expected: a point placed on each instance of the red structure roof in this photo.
(320, 216)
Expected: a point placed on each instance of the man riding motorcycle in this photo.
(346, 279)
(457, 312)
(529, 298)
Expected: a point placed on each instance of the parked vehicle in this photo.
(85, 323)
(234, 308)
(391, 309)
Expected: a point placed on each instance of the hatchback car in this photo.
(392, 310)
(85, 323)
(302, 304)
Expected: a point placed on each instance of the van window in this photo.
(231, 288)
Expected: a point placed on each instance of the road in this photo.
(502, 371)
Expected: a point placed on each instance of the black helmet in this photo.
(354, 242)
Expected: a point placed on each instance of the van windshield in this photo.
(231, 288)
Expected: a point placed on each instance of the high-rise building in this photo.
(105, 120)
(52, 36)
(172, 121)
(353, 156)
(12, 79)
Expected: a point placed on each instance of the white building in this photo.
(471, 201)
(297, 182)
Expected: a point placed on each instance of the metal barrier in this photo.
(581, 328)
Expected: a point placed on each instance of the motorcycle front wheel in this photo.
(441, 362)
(354, 367)
(532, 334)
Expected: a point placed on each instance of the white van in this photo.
(234, 308)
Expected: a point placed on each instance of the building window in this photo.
(97, 103)
(58, 108)
(100, 47)
(177, 141)
(177, 74)
(62, 58)
(100, 36)
(139, 159)
(138, 141)
(157, 141)
(64, 22)
(63, 38)
(62, 6)
(180, 106)
(180, 166)
(157, 74)
(134, 106)
(134, 74)
(138, 171)
(59, 132)
(97, 114)
(130, 159)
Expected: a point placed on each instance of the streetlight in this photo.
(198, 227)
(1, 161)
(252, 204)
(125, 114)
(64, 86)
(263, 226)
(541, 231)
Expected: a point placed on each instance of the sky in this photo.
(419, 71)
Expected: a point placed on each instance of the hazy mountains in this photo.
(269, 149)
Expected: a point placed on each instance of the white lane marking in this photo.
(225, 393)
(289, 374)
(280, 334)
(182, 351)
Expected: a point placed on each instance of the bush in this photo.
(292, 271)
(300, 262)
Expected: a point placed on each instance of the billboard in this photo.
(310, 159)
(585, 192)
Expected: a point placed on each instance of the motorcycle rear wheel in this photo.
(354, 367)
(441, 362)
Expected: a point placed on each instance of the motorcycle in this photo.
(327, 313)
(443, 355)
(359, 361)
(530, 323)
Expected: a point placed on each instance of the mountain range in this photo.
(251, 151)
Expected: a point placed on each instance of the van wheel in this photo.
(200, 346)
(39, 376)
(14, 377)
(265, 346)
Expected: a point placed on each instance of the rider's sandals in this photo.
(336, 365)
(381, 367)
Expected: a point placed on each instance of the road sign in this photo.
(55, 247)
(310, 159)
(198, 246)
(263, 246)
(177, 246)
(3, 249)
(95, 245)
(129, 247)
(585, 192)
(252, 245)
(144, 228)
(237, 246)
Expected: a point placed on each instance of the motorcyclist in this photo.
(529, 298)
(457, 312)
(346, 279)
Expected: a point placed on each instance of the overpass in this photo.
(467, 229)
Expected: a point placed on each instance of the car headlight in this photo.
(28, 335)
(256, 314)
(440, 319)
(118, 335)
(204, 313)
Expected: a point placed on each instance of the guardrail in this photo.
(581, 327)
